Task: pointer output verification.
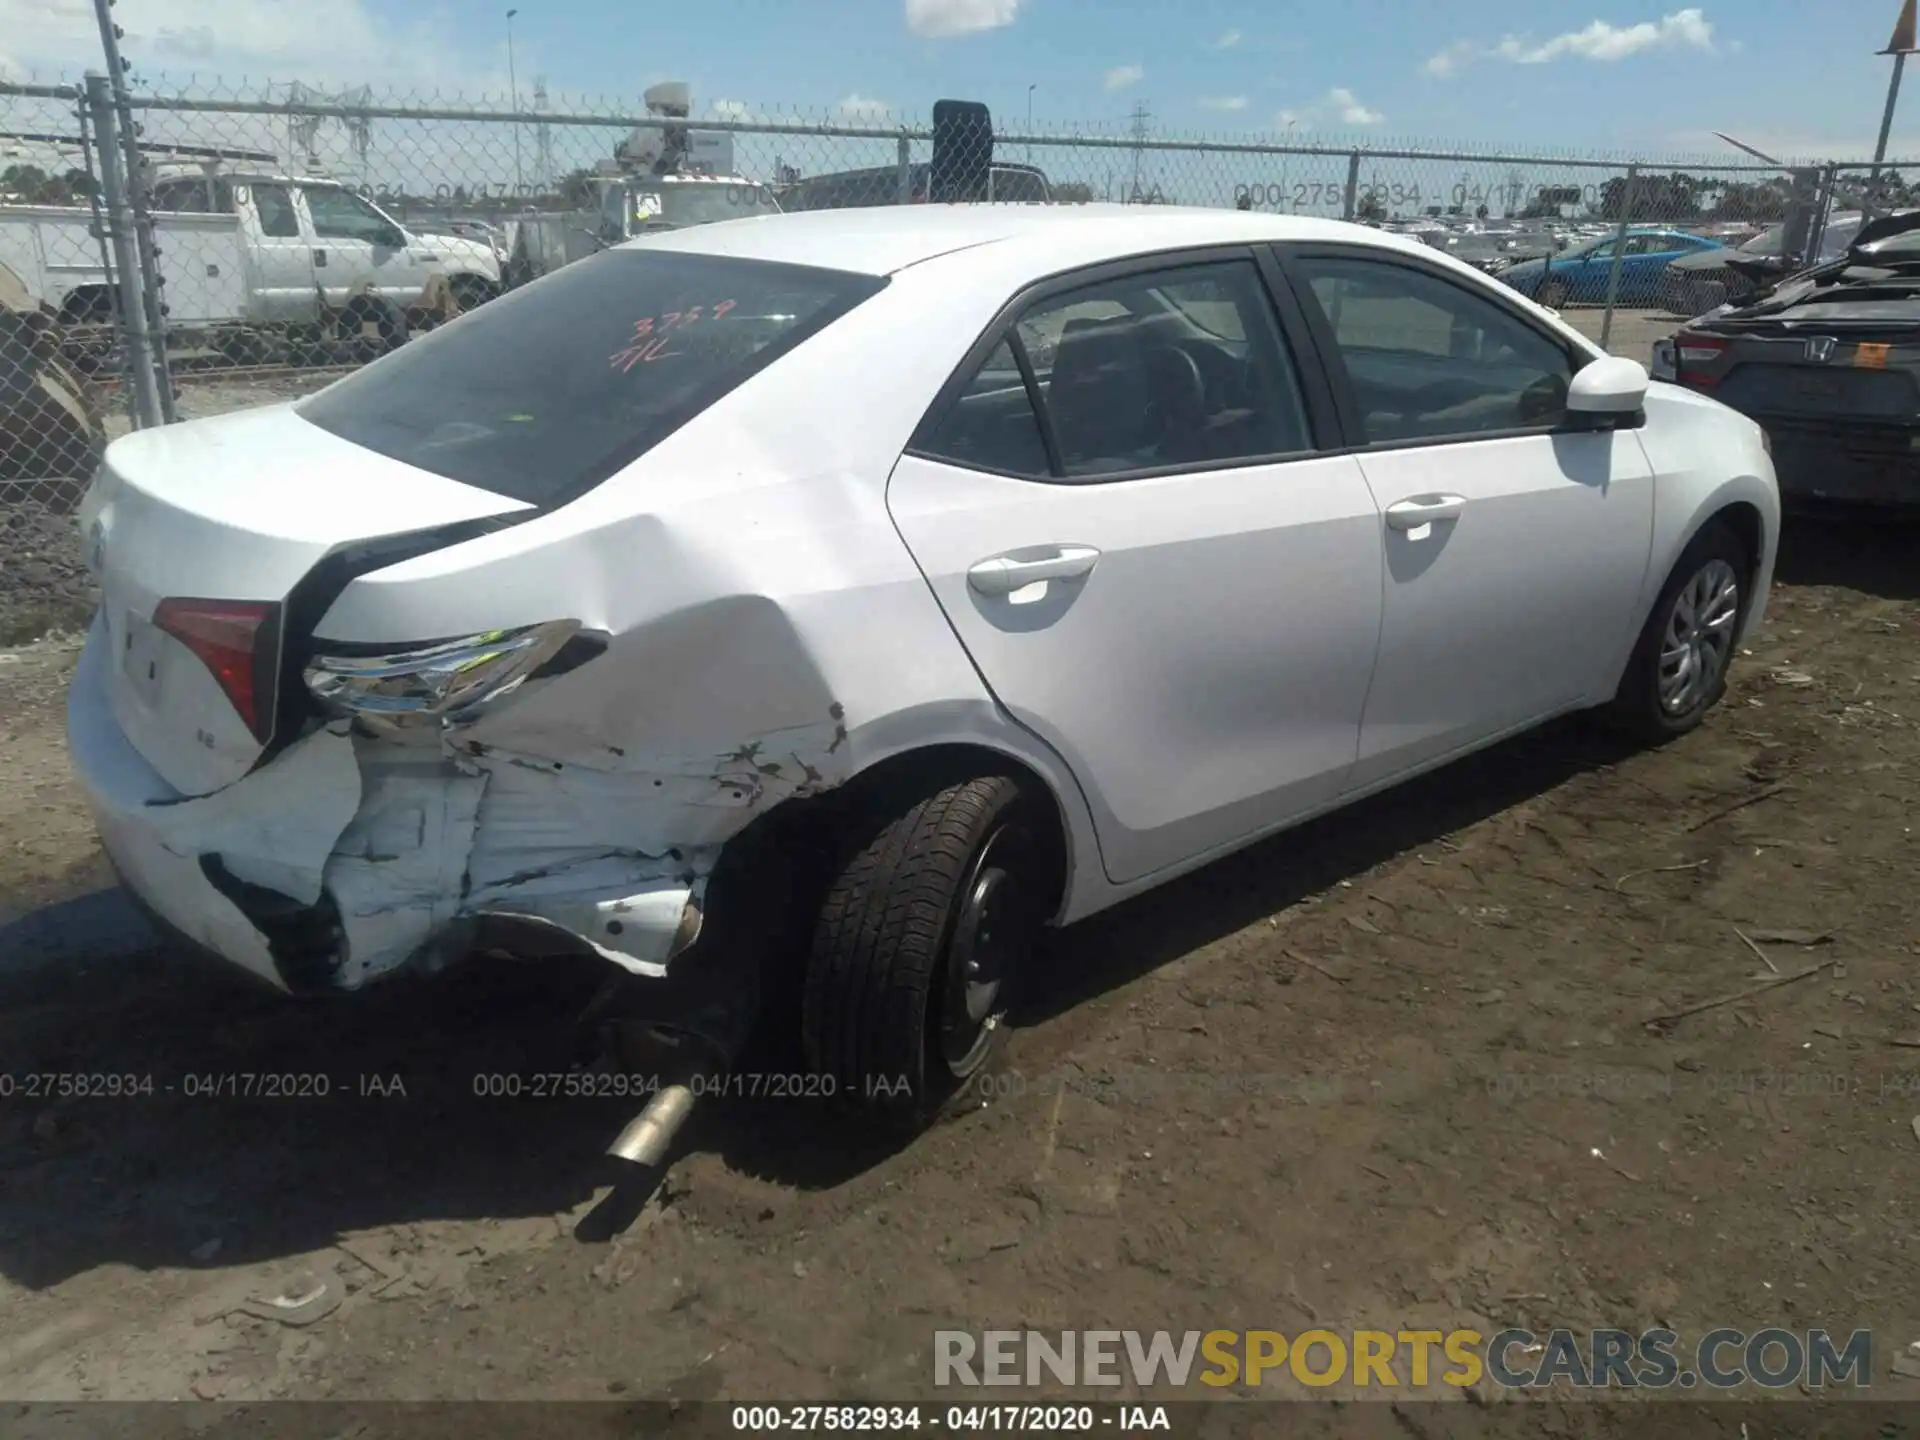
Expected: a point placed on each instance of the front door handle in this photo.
(1002, 575)
(1412, 513)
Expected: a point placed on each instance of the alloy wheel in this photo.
(1697, 641)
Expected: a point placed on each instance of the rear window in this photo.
(544, 393)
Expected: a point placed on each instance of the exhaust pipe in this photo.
(649, 1135)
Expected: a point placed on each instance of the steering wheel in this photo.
(1176, 400)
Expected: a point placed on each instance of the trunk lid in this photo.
(199, 534)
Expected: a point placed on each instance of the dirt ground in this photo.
(1392, 1068)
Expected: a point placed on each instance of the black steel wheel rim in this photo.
(991, 931)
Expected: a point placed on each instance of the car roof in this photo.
(883, 239)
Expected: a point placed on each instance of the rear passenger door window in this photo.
(1183, 367)
(992, 425)
(1429, 360)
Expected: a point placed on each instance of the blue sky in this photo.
(1787, 75)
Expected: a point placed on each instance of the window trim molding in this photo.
(1332, 363)
(1283, 308)
(1042, 416)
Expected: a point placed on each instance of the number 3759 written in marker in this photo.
(651, 335)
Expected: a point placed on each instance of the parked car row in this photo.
(1587, 274)
(1684, 271)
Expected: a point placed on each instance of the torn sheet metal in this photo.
(277, 829)
(408, 839)
(396, 872)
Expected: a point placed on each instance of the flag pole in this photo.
(1899, 46)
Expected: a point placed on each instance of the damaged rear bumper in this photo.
(344, 859)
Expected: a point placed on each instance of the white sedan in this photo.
(901, 581)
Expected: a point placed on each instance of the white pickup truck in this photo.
(246, 256)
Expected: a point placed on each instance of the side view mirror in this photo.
(1610, 387)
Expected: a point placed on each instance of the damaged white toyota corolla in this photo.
(1008, 561)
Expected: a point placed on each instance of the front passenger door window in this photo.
(1429, 360)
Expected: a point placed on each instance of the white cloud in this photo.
(730, 110)
(1121, 76)
(1456, 55)
(1338, 107)
(944, 19)
(860, 107)
(1224, 102)
(1227, 40)
(1601, 42)
(1350, 110)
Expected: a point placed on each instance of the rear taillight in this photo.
(232, 639)
(444, 682)
(1692, 354)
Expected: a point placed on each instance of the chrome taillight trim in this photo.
(445, 683)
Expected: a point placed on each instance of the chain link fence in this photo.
(168, 253)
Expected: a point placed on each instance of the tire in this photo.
(1657, 701)
(245, 349)
(887, 1010)
(389, 327)
(1678, 295)
(470, 292)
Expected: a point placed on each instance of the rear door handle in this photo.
(1412, 513)
(1002, 575)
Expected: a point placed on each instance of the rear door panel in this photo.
(1206, 679)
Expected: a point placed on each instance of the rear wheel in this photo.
(1679, 667)
(1677, 295)
(372, 327)
(1553, 295)
(925, 930)
(470, 292)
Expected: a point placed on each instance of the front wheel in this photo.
(925, 930)
(372, 327)
(470, 292)
(1679, 667)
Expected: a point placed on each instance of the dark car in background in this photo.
(1828, 362)
(1735, 275)
(1006, 184)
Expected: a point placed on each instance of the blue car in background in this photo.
(1579, 276)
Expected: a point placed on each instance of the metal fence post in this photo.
(1619, 251)
(88, 146)
(136, 191)
(1822, 212)
(1350, 202)
(137, 340)
(903, 188)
